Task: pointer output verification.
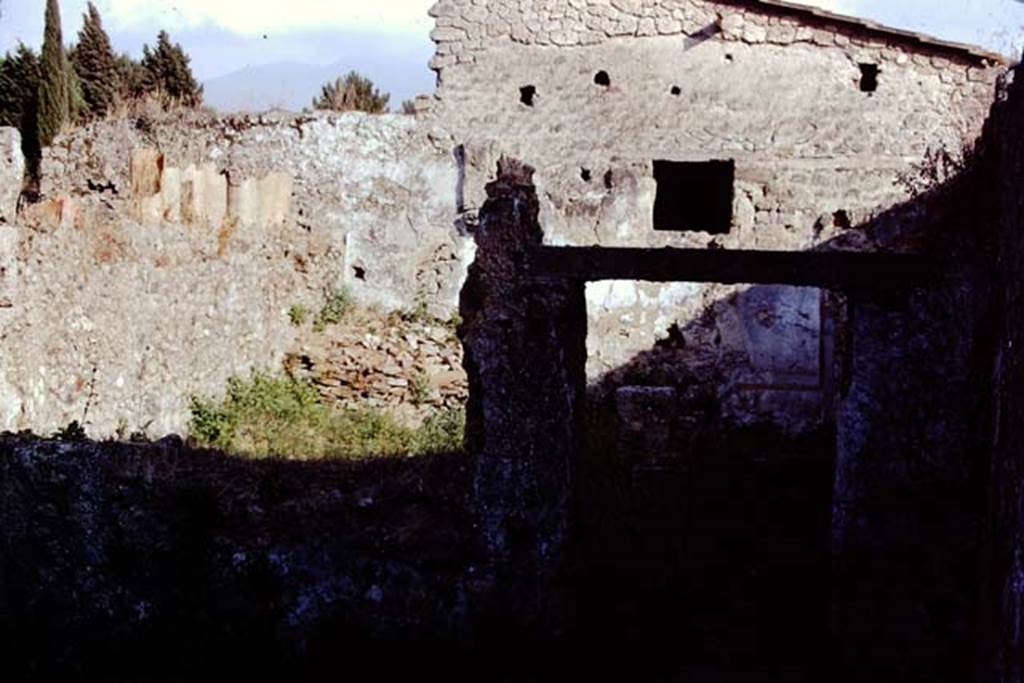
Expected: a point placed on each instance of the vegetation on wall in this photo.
(353, 92)
(266, 416)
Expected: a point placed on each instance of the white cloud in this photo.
(837, 6)
(265, 16)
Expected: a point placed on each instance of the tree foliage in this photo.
(19, 92)
(54, 93)
(167, 72)
(352, 93)
(96, 65)
(131, 78)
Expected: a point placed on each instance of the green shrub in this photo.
(298, 314)
(338, 305)
(442, 432)
(267, 416)
(419, 388)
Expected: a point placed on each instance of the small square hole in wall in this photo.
(527, 94)
(694, 196)
(869, 77)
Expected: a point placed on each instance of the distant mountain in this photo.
(293, 85)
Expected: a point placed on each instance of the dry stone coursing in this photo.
(411, 368)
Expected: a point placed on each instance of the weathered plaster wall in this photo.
(688, 81)
(286, 206)
(377, 194)
(166, 255)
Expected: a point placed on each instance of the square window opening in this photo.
(694, 196)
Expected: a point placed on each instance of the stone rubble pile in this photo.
(411, 368)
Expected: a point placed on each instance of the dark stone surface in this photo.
(525, 355)
(1002, 615)
(151, 562)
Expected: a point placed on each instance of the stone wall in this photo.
(167, 252)
(615, 85)
(377, 195)
(203, 231)
(12, 170)
(139, 562)
(1002, 635)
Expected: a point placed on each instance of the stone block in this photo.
(275, 195)
(147, 165)
(170, 195)
(9, 240)
(12, 172)
(204, 196)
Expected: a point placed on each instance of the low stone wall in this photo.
(409, 367)
(139, 562)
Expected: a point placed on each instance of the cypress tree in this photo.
(53, 87)
(95, 65)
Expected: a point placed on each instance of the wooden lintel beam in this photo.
(825, 269)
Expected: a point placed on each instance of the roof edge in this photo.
(967, 49)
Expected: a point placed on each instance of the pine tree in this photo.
(131, 78)
(19, 86)
(352, 93)
(53, 86)
(19, 93)
(96, 65)
(168, 73)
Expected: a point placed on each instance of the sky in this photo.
(388, 39)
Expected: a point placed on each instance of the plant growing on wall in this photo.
(352, 93)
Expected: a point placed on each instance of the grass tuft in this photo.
(267, 416)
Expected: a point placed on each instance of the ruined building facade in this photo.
(689, 123)
(750, 125)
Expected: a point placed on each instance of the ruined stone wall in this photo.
(377, 194)
(12, 168)
(166, 255)
(616, 85)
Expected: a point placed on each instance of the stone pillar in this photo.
(12, 174)
(907, 500)
(525, 343)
